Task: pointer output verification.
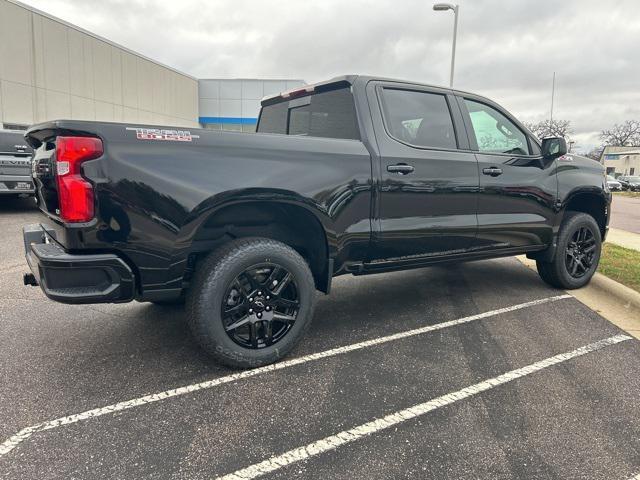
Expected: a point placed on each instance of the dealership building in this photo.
(51, 69)
(621, 160)
(235, 104)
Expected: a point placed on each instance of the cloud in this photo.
(507, 50)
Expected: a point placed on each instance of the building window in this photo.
(15, 126)
(632, 171)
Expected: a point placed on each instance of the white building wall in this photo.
(234, 104)
(621, 160)
(52, 70)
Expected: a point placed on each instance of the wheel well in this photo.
(290, 224)
(590, 204)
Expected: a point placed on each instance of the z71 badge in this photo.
(161, 134)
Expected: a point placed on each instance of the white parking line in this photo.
(13, 441)
(348, 436)
(635, 477)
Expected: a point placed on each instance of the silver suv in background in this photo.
(614, 185)
(15, 164)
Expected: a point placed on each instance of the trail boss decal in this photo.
(161, 134)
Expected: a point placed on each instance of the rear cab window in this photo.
(327, 114)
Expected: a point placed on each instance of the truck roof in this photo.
(348, 79)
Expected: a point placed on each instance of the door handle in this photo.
(493, 171)
(400, 168)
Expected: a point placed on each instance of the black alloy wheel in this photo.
(580, 252)
(260, 306)
(250, 301)
(579, 244)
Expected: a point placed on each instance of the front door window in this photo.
(494, 132)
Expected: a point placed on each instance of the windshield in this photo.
(632, 179)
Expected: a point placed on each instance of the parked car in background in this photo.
(631, 183)
(622, 181)
(15, 164)
(614, 185)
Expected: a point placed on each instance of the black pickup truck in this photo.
(354, 175)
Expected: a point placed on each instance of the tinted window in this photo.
(13, 143)
(418, 118)
(494, 132)
(328, 114)
(273, 119)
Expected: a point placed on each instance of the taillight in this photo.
(75, 194)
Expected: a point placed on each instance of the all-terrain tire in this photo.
(210, 283)
(556, 272)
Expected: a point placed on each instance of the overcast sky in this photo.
(507, 49)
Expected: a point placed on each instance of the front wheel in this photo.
(250, 302)
(577, 254)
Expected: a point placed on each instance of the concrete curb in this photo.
(626, 295)
(616, 302)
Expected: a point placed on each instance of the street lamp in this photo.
(442, 7)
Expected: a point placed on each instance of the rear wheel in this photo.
(250, 302)
(577, 254)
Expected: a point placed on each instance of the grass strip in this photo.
(621, 264)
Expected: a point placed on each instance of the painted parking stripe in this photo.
(635, 477)
(348, 436)
(13, 441)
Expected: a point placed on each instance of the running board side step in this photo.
(419, 261)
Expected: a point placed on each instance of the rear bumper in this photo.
(9, 184)
(69, 278)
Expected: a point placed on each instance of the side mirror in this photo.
(554, 147)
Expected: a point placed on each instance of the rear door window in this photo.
(418, 118)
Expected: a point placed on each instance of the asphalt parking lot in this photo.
(625, 213)
(426, 353)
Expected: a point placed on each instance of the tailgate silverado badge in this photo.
(162, 134)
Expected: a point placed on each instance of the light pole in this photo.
(442, 7)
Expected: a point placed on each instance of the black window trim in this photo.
(415, 88)
(292, 105)
(290, 109)
(473, 141)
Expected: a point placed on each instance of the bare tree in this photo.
(624, 135)
(551, 128)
